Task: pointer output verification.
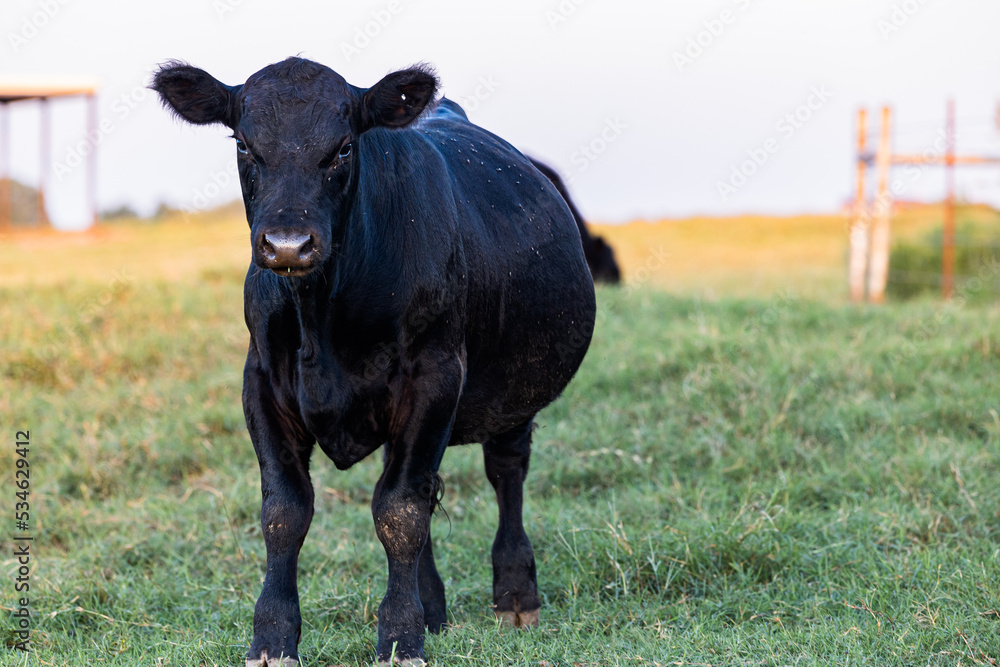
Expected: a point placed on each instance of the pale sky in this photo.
(618, 95)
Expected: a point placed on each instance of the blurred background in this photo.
(650, 111)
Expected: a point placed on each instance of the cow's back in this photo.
(530, 298)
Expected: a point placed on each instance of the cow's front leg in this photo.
(283, 449)
(404, 498)
(428, 580)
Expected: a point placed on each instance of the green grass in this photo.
(916, 264)
(753, 482)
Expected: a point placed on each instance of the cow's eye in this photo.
(241, 147)
(345, 150)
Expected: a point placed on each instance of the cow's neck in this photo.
(311, 295)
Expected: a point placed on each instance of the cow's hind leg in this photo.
(431, 589)
(515, 591)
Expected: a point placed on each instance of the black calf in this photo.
(416, 283)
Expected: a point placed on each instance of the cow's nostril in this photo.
(267, 248)
(308, 247)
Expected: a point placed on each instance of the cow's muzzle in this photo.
(289, 252)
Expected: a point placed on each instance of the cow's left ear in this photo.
(398, 98)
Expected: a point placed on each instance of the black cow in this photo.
(416, 283)
(600, 256)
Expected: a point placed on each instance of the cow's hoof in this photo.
(518, 619)
(264, 661)
(407, 662)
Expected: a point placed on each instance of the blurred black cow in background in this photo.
(600, 256)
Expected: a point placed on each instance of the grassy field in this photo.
(751, 256)
(775, 479)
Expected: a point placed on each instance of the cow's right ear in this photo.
(194, 94)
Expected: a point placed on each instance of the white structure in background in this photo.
(40, 91)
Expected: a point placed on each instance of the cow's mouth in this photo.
(292, 272)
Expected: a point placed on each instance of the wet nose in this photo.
(284, 250)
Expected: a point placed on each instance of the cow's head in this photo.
(296, 124)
